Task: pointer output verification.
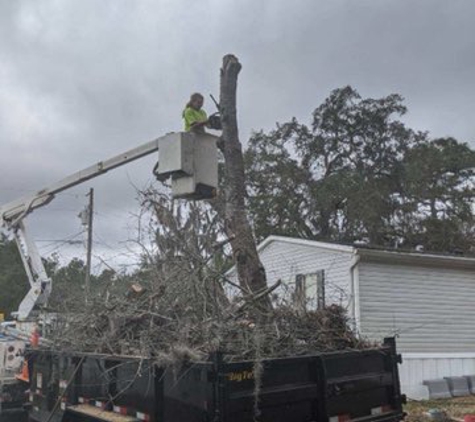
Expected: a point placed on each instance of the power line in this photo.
(54, 240)
(58, 244)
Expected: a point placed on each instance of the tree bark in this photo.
(251, 273)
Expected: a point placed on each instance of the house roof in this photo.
(379, 255)
(304, 242)
(416, 258)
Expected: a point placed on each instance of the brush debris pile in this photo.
(186, 318)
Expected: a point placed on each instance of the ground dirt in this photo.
(454, 408)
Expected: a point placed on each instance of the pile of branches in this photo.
(181, 305)
(181, 319)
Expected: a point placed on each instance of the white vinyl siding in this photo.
(284, 261)
(430, 309)
(418, 367)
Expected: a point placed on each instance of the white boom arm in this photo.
(13, 213)
(16, 210)
(40, 283)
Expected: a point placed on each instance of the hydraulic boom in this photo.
(12, 217)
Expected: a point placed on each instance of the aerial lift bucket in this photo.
(190, 160)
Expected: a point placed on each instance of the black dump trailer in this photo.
(356, 386)
(12, 398)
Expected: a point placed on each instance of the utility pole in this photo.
(90, 214)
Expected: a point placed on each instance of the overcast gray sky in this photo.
(85, 80)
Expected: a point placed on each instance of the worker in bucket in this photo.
(194, 116)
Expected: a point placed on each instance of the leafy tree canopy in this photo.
(358, 173)
(69, 284)
(13, 279)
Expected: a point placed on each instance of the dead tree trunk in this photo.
(251, 273)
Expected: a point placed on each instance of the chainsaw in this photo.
(214, 121)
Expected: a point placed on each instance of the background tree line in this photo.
(68, 280)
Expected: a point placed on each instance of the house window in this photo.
(320, 289)
(300, 294)
(309, 291)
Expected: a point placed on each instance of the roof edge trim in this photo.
(304, 242)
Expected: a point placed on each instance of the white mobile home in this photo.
(426, 300)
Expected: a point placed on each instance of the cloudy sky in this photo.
(81, 81)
